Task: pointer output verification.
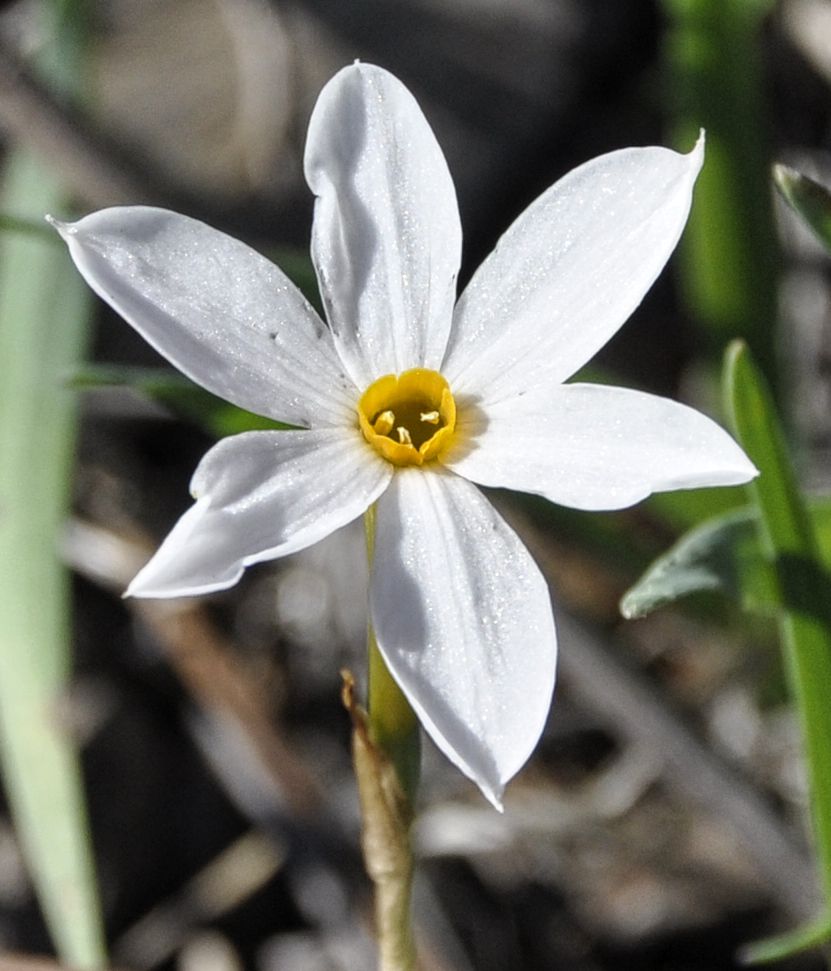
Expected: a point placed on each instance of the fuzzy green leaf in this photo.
(719, 555)
(722, 554)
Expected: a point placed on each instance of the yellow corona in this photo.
(409, 417)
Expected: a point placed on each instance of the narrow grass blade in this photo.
(43, 316)
(784, 945)
(802, 583)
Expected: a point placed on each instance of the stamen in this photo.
(384, 422)
(408, 418)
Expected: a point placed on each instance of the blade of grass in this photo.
(785, 945)
(43, 315)
(44, 311)
(801, 583)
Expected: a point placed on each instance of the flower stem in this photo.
(387, 750)
(393, 725)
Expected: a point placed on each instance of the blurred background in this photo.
(661, 823)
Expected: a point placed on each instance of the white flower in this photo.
(407, 402)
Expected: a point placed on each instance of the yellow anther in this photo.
(408, 418)
(384, 423)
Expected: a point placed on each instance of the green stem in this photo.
(386, 745)
(393, 725)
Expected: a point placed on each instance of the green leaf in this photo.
(807, 198)
(723, 554)
(44, 307)
(790, 545)
(775, 556)
(802, 939)
(185, 399)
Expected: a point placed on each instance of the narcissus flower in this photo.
(409, 403)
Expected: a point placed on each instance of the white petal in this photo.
(386, 239)
(261, 495)
(594, 447)
(570, 271)
(463, 619)
(223, 314)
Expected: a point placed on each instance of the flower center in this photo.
(409, 417)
